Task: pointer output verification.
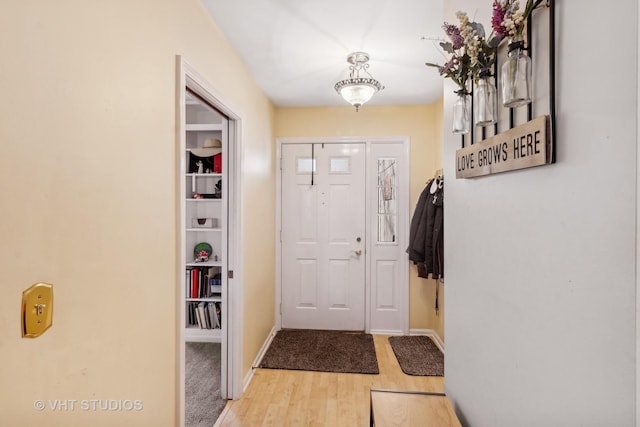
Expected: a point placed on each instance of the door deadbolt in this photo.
(358, 239)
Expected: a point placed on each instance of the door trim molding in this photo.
(405, 179)
(187, 76)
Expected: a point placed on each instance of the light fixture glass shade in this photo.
(357, 90)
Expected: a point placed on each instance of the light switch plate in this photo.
(37, 309)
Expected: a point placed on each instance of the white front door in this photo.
(323, 236)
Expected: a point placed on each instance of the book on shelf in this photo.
(195, 274)
(213, 317)
(198, 316)
(203, 318)
(203, 282)
(218, 309)
(204, 315)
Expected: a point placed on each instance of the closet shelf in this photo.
(204, 175)
(203, 127)
(213, 299)
(204, 200)
(204, 264)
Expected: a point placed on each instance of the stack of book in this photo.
(203, 282)
(205, 315)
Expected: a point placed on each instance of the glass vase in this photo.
(516, 76)
(462, 113)
(485, 100)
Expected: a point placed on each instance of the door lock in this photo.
(37, 310)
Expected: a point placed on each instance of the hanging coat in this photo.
(437, 240)
(416, 238)
(426, 232)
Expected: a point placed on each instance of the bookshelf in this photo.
(204, 207)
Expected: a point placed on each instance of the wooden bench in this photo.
(396, 408)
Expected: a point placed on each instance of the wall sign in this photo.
(522, 147)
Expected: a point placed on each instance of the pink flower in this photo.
(448, 66)
(498, 18)
(454, 34)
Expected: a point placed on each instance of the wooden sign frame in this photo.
(507, 157)
(524, 146)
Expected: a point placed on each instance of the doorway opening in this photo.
(209, 273)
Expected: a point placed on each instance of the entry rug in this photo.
(323, 351)
(418, 355)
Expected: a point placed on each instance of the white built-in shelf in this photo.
(203, 127)
(202, 123)
(195, 334)
(203, 200)
(205, 264)
(211, 299)
(205, 175)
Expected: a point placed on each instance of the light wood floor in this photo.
(297, 398)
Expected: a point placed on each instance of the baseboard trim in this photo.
(258, 359)
(431, 333)
(223, 414)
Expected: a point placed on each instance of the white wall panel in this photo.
(540, 263)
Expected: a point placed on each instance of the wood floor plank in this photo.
(412, 410)
(278, 397)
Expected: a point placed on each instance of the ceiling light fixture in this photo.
(357, 90)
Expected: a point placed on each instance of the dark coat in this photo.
(426, 233)
(437, 241)
(416, 230)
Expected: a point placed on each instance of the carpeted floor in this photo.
(203, 403)
(418, 355)
(324, 351)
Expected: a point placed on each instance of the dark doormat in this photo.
(323, 351)
(418, 355)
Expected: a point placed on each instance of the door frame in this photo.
(187, 76)
(404, 177)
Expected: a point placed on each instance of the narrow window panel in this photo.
(386, 171)
(387, 200)
(386, 228)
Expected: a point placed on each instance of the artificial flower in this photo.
(508, 19)
(472, 54)
(458, 65)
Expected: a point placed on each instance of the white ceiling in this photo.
(297, 49)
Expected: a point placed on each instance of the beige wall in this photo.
(88, 186)
(422, 123)
(424, 291)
